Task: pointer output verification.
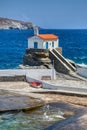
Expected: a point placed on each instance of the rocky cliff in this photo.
(6, 23)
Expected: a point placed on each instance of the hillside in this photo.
(6, 23)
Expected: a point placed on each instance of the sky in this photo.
(50, 14)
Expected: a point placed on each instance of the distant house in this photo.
(43, 41)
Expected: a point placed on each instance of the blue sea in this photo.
(13, 44)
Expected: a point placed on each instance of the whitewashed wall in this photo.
(38, 73)
(56, 44)
(42, 43)
(35, 39)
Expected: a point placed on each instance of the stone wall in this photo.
(57, 64)
(31, 50)
(12, 78)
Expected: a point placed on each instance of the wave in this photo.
(82, 65)
(81, 58)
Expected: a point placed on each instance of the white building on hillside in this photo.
(43, 41)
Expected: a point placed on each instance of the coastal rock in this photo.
(6, 23)
(43, 57)
(37, 57)
(11, 101)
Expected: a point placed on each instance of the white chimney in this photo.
(36, 31)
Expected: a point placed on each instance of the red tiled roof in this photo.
(48, 36)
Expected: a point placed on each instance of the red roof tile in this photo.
(48, 36)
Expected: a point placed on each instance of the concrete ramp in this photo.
(61, 64)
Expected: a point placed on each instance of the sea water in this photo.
(30, 120)
(13, 44)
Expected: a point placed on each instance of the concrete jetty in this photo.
(61, 85)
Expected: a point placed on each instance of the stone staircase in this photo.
(60, 63)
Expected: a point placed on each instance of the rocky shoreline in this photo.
(22, 89)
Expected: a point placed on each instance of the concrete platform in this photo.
(25, 74)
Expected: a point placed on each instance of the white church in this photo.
(43, 41)
(50, 42)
